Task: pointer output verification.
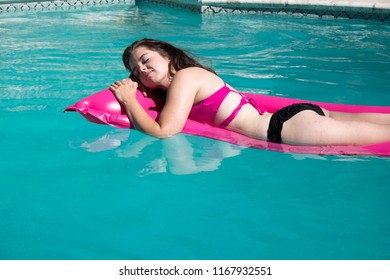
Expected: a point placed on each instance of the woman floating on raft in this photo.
(196, 92)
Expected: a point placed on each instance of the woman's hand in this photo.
(141, 87)
(124, 90)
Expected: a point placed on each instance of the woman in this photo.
(196, 92)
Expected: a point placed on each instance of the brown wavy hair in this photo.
(179, 59)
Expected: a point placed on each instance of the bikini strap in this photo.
(257, 107)
(229, 119)
(244, 100)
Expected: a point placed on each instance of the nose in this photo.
(142, 68)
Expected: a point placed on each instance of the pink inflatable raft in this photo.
(103, 108)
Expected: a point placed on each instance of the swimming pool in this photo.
(70, 189)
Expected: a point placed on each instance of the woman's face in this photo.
(150, 67)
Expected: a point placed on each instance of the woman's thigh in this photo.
(309, 128)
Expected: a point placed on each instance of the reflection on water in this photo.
(179, 154)
(85, 189)
(108, 141)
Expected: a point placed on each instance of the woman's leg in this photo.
(309, 128)
(378, 118)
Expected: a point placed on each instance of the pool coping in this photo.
(25, 5)
(327, 9)
(330, 9)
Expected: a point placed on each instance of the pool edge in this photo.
(327, 9)
(368, 9)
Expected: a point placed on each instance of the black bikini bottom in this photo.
(279, 117)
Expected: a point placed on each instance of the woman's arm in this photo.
(180, 98)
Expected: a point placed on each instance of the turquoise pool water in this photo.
(70, 189)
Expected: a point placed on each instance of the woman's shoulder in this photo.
(196, 74)
(195, 80)
(194, 70)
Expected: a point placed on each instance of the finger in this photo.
(113, 89)
(127, 81)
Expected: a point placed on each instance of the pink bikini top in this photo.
(206, 110)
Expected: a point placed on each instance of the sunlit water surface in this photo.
(70, 189)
